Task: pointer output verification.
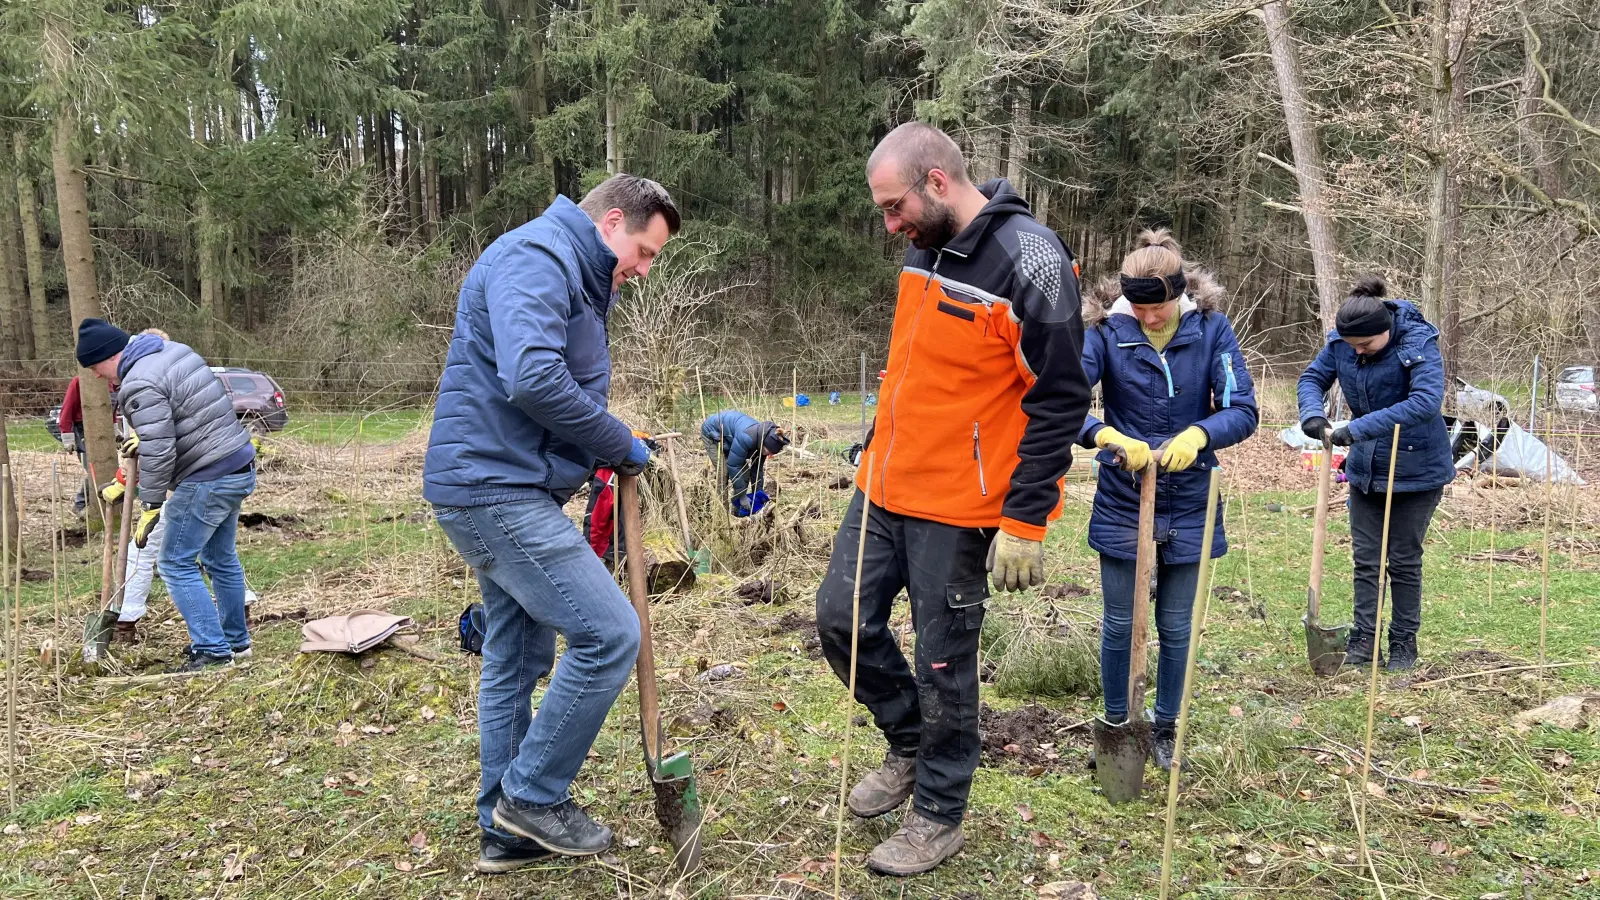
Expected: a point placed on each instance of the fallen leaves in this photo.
(1068, 890)
(233, 867)
(1025, 811)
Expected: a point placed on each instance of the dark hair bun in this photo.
(1369, 286)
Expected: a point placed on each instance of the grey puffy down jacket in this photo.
(179, 409)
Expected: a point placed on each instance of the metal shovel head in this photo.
(1120, 752)
(97, 635)
(678, 808)
(1325, 647)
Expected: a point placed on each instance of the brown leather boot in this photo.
(885, 789)
(126, 633)
(919, 846)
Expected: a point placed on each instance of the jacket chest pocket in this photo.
(961, 316)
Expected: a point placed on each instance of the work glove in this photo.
(1315, 427)
(146, 524)
(1017, 563)
(1135, 453)
(652, 443)
(129, 447)
(68, 442)
(1179, 452)
(1341, 436)
(112, 493)
(638, 457)
(853, 454)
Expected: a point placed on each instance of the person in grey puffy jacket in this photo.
(196, 466)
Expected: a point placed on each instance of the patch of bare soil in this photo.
(1032, 738)
(1064, 591)
(1461, 663)
(1243, 599)
(807, 629)
(1264, 463)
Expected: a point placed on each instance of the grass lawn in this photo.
(326, 776)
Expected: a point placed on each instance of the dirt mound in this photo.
(758, 591)
(1459, 664)
(1032, 737)
(1064, 591)
(807, 629)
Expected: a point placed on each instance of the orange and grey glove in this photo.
(1179, 452)
(146, 524)
(1135, 453)
(1015, 563)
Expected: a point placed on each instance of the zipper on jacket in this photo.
(1165, 369)
(1230, 383)
(977, 454)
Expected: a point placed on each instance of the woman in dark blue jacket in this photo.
(741, 446)
(1171, 375)
(1385, 356)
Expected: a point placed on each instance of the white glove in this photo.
(68, 442)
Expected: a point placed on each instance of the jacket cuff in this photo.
(1022, 529)
(1087, 441)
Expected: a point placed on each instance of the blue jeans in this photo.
(201, 520)
(1175, 585)
(540, 578)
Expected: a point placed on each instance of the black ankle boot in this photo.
(1358, 651)
(1402, 655)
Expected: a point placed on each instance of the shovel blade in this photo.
(1120, 752)
(678, 808)
(97, 635)
(1325, 647)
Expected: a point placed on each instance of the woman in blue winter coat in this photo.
(1385, 356)
(741, 446)
(1171, 376)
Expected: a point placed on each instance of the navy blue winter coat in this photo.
(1199, 379)
(522, 404)
(736, 439)
(1401, 384)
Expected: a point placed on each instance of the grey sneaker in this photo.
(564, 828)
(919, 846)
(498, 858)
(885, 789)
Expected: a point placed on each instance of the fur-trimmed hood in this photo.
(1204, 293)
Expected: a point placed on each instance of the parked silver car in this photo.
(1575, 389)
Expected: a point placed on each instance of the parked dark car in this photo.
(257, 398)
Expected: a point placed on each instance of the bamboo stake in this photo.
(1494, 511)
(1197, 620)
(701, 389)
(1377, 626)
(1361, 835)
(1544, 554)
(11, 662)
(1249, 548)
(850, 696)
(55, 568)
(16, 656)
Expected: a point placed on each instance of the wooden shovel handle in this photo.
(639, 595)
(131, 488)
(677, 490)
(1144, 564)
(1319, 534)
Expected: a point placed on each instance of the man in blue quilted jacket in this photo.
(520, 424)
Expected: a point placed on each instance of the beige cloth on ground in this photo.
(355, 632)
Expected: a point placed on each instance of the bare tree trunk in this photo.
(13, 286)
(1021, 125)
(77, 251)
(614, 160)
(538, 92)
(1441, 254)
(207, 248)
(32, 251)
(1308, 168)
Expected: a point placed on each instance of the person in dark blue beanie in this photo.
(98, 341)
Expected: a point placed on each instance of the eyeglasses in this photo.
(895, 206)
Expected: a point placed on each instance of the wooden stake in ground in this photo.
(1377, 626)
(16, 655)
(1197, 625)
(1544, 552)
(700, 388)
(850, 695)
(1249, 548)
(55, 569)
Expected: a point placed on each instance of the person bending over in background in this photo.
(1170, 374)
(1385, 357)
(984, 395)
(521, 423)
(739, 447)
(196, 466)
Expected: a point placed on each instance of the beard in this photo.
(936, 226)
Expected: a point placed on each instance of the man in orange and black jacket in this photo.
(983, 398)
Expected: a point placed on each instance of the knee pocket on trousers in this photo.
(956, 636)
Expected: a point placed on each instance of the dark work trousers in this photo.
(930, 710)
(1408, 525)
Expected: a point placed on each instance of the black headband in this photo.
(1372, 323)
(1155, 289)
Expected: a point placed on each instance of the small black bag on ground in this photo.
(473, 629)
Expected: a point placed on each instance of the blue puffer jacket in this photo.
(1199, 379)
(1401, 384)
(736, 438)
(522, 404)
